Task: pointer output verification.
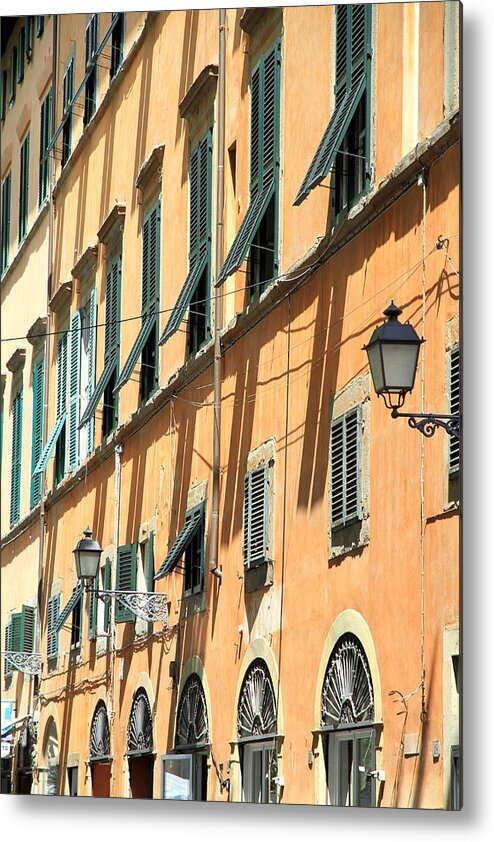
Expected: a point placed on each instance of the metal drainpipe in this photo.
(213, 555)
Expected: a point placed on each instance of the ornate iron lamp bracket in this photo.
(27, 662)
(151, 607)
(428, 424)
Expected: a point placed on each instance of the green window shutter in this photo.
(6, 190)
(151, 260)
(93, 611)
(13, 75)
(111, 346)
(74, 388)
(52, 633)
(126, 579)
(20, 54)
(29, 36)
(24, 189)
(255, 131)
(256, 516)
(93, 321)
(45, 131)
(16, 632)
(150, 576)
(62, 375)
(112, 312)
(4, 95)
(50, 444)
(27, 628)
(37, 433)
(68, 93)
(15, 486)
(7, 670)
(69, 607)
(454, 407)
(40, 25)
(193, 523)
(107, 587)
(346, 468)
(148, 323)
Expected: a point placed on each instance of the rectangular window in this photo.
(29, 36)
(73, 780)
(256, 517)
(454, 408)
(194, 554)
(258, 233)
(456, 800)
(6, 191)
(40, 25)
(4, 94)
(117, 42)
(60, 449)
(13, 74)
(37, 432)
(20, 54)
(345, 468)
(194, 523)
(259, 770)
(76, 630)
(126, 579)
(345, 145)
(15, 486)
(176, 777)
(44, 139)
(20, 634)
(24, 189)
(90, 89)
(52, 633)
(99, 610)
(81, 380)
(351, 757)
(68, 93)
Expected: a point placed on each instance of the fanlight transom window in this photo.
(192, 717)
(347, 695)
(140, 736)
(257, 705)
(99, 741)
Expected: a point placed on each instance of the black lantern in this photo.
(393, 353)
(87, 556)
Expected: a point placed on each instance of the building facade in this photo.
(211, 241)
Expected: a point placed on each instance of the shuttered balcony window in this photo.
(344, 147)
(346, 504)
(4, 95)
(454, 408)
(256, 538)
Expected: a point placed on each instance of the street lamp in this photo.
(148, 606)
(393, 352)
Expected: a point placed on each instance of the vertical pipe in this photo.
(213, 554)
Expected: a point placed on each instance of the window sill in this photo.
(193, 603)
(259, 577)
(348, 539)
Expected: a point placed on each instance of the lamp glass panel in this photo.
(376, 366)
(399, 362)
(87, 563)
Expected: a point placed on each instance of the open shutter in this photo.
(6, 221)
(27, 628)
(255, 131)
(91, 350)
(107, 587)
(182, 541)
(21, 44)
(62, 375)
(454, 408)
(270, 100)
(43, 146)
(67, 611)
(126, 579)
(148, 323)
(74, 388)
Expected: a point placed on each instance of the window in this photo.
(190, 541)
(57, 435)
(4, 94)
(24, 189)
(99, 610)
(20, 54)
(44, 139)
(107, 381)
(259, 229)
(256, 516)
(347, 715)
(40, 25)
(37, 432)
(52, 632)
(68, 93)
(13, 74)
(195, 293)
(126, 579)
(90, 89)
(15, 483)
(117, 40)
(147, 338)
(29, 36)
(73, 780)
(20, 633)
(81, 383)
(456, 800)
(345, 148)
(345, 468)
(454, 408)
(6, 190)
(76, 630)
(256, 728)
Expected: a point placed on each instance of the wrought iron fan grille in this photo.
(192, 717)
(257, 705)
(140, 735)
(99, 741)
(347, 695)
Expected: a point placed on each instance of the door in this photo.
(100, 776)
(141, 776)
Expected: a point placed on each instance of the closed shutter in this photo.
(37, 435)
(92, 611)
(91, 350)
(45, 131)
(27, 628)
(74, 388)
(150, 570)
(24, 189)
(256, 516)
(454, 408)
(7, 670)
(126, 579)
(6, 188)
(91, 38)
(62, 375)
(13, 75)
(255, 131)
(51, 633)
(346, 468)
(151, 261)
(40, 25)
(15, 486)
(107, 587)
(16, 632)
(21, 44)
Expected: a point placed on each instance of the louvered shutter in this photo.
(150, 570)
(346, 468)
(27, 628)
(194, 206)
(454, 408)
(152, 281)
(13, 74)
(92, 610)
(91, 351)
(74, 388)
(40, 25)
(37, 434)
(16, 632)
(52, 634)
(126, 579)
(7, 670)
(43, 146)
(107, 587)
(193, 522)
(255, 131)
(20, 54)
(112, 331)
(15, 486)
(6, 221)
(62, 375)
(270, 102)
(256, 516)
(352, 471)
(337, 472)
(359, 39)
(24, 189)
(341, 62)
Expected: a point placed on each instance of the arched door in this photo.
(256, 728)
(99, 752)
(140, 747)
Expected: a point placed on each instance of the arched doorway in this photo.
(51, 759)
(347, 725)
(191, 742)
(140, 747)
(99, 752)
(256, 731)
